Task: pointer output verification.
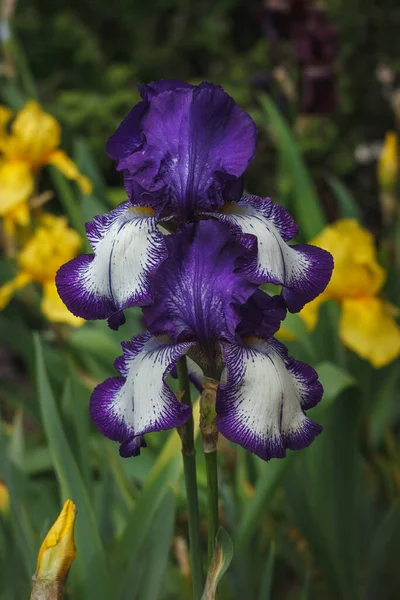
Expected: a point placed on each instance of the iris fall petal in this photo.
(261, 406)
(125, 408)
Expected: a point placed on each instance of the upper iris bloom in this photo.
(206, 309)
(183, 150)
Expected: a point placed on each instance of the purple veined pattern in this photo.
(205, 308)
(128, 247)
(188, 145)
(139, 401)
(264, 228)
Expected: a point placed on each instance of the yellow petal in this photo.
(388, 164)
(8, 289)
(52, 245)
(58, 550)
(16, 186)
(284, 334)
(67, 166)
(55, 310)
(357, 272)
(368, 328)
(34, 134)
(4, 498)
(309, 313)
(5, 117)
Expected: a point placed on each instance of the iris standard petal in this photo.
(127, 247)
(125, 408)
(188, 144)
(264, 227)
(128, 136)
(196, 291)
(261, 406)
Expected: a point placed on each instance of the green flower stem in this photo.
(212, 497)
(186, 433)
(209, 434)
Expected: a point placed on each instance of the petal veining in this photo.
(127, 247)
(189, 143)
(125, 408)
(264, 227)
(261, 406)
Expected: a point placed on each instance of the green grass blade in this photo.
(269, 478)
(348, 207)
(158, 546)
(306, 206)
(90, 565)
(267, 579)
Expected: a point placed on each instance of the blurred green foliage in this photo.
(324, 522)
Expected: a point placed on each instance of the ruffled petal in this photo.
(66, 165)
(125, 408)
(127, 247)
(261, 316)
(185, 145)
(34, 134)
(367, 326)
(264, 227)
(261, 406)
(196, 291)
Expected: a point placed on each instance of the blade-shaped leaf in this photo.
(306, 206)
(92, 577)
(348, 207)
(220, 562)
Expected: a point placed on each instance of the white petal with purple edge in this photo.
(263, 227)
(140, 401)
(127, 247)
(261, 405)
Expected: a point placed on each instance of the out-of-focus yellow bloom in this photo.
(388, 163)
(367, 323)
(52, 244)
(32, 142)
(58, 551)
(367, 327)
(4, 498)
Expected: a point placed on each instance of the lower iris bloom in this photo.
(205, 309)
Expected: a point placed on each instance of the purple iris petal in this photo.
(127, 248)
(189, 144)
(261, 406)
(125, 408)
(261, 316)
(196, 291)
(263, 228)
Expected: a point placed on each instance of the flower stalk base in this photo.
(47, 590)
(209, 434)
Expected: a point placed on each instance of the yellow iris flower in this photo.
(388, 163)
(57, 551)
(4, 498)
(367, 323)
(52, 244)
(31, 143)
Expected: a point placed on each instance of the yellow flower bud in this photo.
(4, 498)
(58, 549)
(388, 164)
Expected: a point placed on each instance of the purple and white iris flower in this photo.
(192, 251)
